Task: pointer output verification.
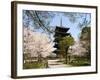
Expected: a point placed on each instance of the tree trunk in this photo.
(66, 54)
(46, 62)
(39, 58)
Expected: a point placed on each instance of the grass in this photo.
(80, 63)
(33, 65)
(73, 62)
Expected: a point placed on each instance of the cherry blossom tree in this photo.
(37, 44)
(77, 49)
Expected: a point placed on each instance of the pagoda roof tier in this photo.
(61, 29)
(62, 34)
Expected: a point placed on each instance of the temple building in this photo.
(60, 32)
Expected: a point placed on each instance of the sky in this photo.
(74, 29)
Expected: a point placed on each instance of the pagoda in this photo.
(60, 32)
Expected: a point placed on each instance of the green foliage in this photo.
(85, 34)
(64, 45)
(85, 38)
(66, 41)
(80, 61)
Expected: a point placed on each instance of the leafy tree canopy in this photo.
(85, 34)
(66, 41)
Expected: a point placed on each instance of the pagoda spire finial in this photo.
(61, 22)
